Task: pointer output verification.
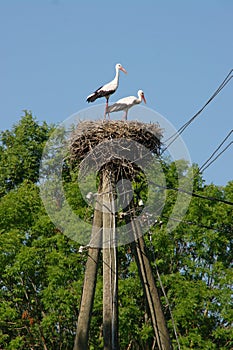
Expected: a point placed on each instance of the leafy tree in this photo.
(41, 278)
(20, 152)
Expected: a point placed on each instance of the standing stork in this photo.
(124, 104)
(108, 89)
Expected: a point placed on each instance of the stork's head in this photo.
(119, 67)
(141, 94)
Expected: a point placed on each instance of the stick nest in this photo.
(89, 134)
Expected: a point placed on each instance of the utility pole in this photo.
(83, 324)
(110, 275)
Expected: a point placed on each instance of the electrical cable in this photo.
(193, 194)
(229, 144)
(215, 151)
(221, 86)
(192, 223)
(174, 136)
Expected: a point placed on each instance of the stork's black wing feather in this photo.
(99, 93)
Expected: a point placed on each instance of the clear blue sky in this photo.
(56, 52)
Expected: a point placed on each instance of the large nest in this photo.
(117, 150)
(89, 134)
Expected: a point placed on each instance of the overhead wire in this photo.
(213, 160)
(191, 223)
(208, 162)
(201, 169)
(193, 194)
(174, 136)
(204, 166)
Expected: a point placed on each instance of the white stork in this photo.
(107, 89)
(124, 104)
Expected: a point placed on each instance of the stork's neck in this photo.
(116, 79)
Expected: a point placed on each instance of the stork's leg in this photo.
(124, 117)
(105, 112)
(106, 109)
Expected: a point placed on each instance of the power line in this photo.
(208, 162)
(192, 223)
(183, 127)
(204, 165)
(229, 144)
(193, 194)
(221, 86)
(220, 145)
(185, 222)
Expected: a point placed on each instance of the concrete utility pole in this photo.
(83, 324)
(110, 283)
(150, 291)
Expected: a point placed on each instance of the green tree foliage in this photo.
(42, 272)
(20, 152)
(195, 261)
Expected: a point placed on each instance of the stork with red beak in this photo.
(124, 104)
(108, 89)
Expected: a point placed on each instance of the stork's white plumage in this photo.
(108, 89)
(124, 104)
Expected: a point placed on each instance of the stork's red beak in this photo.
(123, 70)
(143, 97)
